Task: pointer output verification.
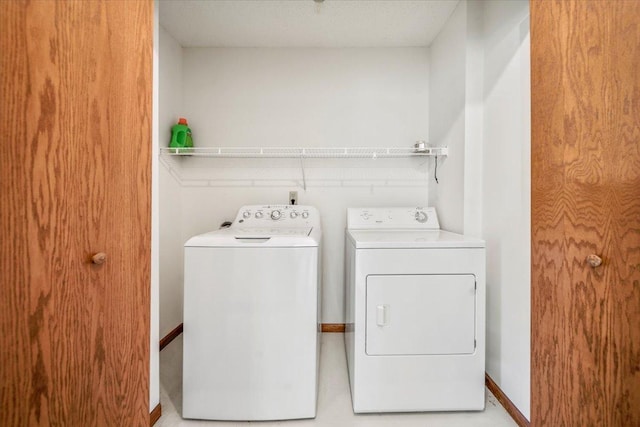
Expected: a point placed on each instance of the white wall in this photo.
(375, 97)
(456, 119)
(447, 100)
(171, 261)
(507, 196)
(473, 120)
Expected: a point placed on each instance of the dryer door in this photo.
(420, 314)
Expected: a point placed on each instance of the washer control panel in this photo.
(397, 218)
(277, 215)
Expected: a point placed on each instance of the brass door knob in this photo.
(99, 258)
(594, 260)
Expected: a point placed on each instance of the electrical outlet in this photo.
(293, 197)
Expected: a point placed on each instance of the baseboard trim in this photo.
(171, 336)
(333, 327)
(154, 416)
(506, 402)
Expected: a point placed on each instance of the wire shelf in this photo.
(299, 152)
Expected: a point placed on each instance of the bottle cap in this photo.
(182, 121)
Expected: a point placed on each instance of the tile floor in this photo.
(334, 400)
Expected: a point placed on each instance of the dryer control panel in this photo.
(414, 218)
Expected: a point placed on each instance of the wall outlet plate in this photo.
(293, 197)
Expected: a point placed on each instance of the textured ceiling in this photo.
(293, 23)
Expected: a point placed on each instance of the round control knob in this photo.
(258, 214)
(276, 214)
(294, 215)
(246, 214)
(421, 216)
(305, 215)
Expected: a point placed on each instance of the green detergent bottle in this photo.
(181, 136)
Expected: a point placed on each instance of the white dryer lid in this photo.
(396, 239)
(256, 237)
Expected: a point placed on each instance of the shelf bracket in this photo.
(304, 179)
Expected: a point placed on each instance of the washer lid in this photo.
(394, 239)
(256, 237)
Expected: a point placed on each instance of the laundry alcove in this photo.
(338, 75)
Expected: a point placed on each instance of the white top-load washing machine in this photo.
(252, 317)
(415, 313)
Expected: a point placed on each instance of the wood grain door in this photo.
(75, 181)
(585, 58)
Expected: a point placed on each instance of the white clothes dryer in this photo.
(415, 313)
(252, 317)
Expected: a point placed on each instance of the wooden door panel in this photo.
(75, 180)
(585, 199)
